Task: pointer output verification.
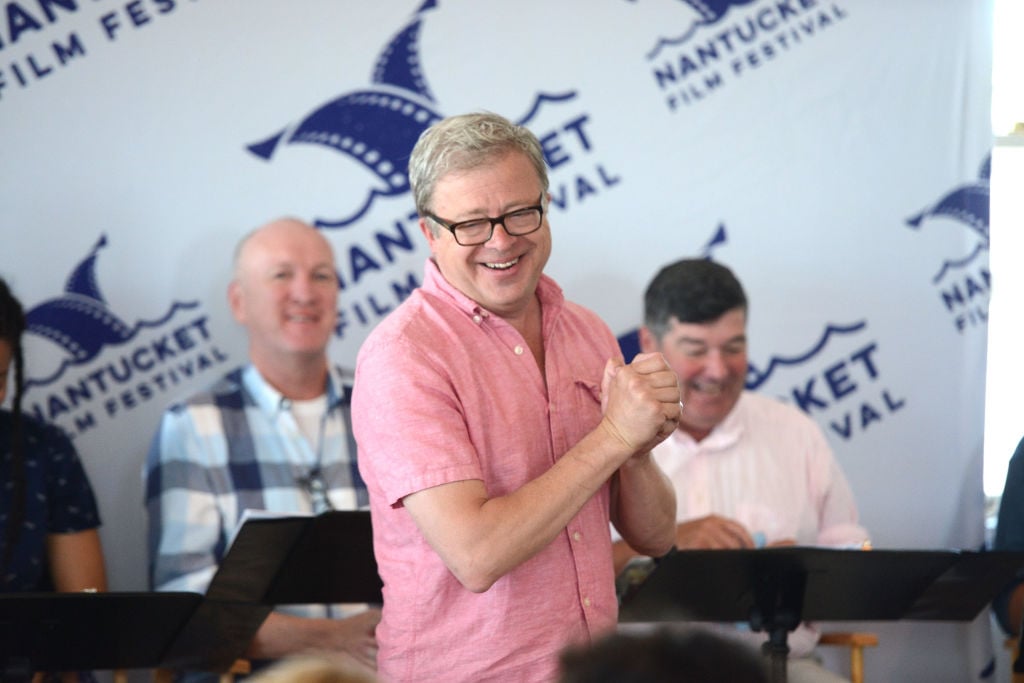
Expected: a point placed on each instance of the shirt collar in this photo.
(724, 435)
(272, 402)
(550, 294)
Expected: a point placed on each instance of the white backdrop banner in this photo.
(835, 154)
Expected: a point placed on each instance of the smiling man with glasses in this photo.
(500, 431)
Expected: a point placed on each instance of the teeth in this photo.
(502, 266)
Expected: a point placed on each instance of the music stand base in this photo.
(777, 649)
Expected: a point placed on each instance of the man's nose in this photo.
(302, 288)
(715, 364)
(500, 237)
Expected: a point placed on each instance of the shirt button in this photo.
(586, 602)
(518, 350)
(477, 319)
(576, 536)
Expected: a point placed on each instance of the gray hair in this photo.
(460, 143)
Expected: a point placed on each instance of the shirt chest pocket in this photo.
(574, 409)
(585, 405)
(588, 393)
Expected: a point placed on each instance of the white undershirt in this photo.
(308, 415)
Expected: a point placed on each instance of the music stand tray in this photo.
(278, 560)
(80, 631)
(281, 560)
(774, 589)
(327, 558)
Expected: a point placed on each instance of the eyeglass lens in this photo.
(516, 223)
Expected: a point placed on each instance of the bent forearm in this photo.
(481, 539)
(644, 506)
(282, 635)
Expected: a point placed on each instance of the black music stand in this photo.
(279, 560)
(774, 589)
(292, 560)
(81, 631)
(216, 634)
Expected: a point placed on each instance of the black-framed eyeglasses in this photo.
(477, 231)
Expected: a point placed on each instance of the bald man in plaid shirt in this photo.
(273, 435)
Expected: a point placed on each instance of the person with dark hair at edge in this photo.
(49, 520)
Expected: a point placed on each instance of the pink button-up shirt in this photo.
(447, 392)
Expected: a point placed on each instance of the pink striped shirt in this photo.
(447, 392)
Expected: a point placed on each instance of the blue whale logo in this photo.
(708, 12)
(378, 126)
(79, 320)
(967, 204)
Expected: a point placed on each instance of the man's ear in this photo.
(235, 301)
(428, 232)
(648, 344)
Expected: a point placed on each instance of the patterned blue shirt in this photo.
(58, 499)
(233, 448)
(1010, 532)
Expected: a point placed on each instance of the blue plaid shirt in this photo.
(232, 448)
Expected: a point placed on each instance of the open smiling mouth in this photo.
(709, 389)
(502, 266)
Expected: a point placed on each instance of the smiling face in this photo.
(285, 293)
(502, 274)
(710, 360)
